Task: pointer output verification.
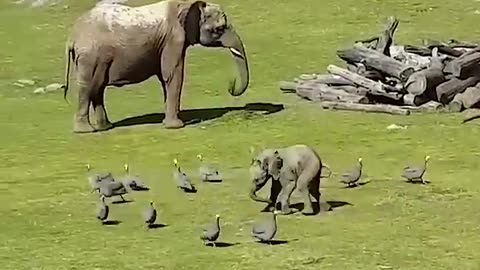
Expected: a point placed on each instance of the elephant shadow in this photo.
(195, 116)
(322, 206)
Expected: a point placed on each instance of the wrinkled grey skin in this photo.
(117, 45)
(294, 167)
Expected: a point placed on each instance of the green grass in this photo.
(47, 212)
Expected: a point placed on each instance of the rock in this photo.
(18, 84)
(25, 81)
(53, 87)
(40, 90)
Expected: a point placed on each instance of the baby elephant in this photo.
(296, 166)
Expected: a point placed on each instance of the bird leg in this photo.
(123, 199)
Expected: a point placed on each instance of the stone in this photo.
(26, 82)
(40, 90)
(53, 87)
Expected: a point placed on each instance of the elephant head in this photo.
(206, 24)
(267, 165)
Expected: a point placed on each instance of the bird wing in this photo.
(257, 229)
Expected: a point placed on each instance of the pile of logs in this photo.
(397, 79)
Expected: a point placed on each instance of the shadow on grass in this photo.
(417, 182)
(195, 116)
(275, 242)
(320, 207)
(122, 202)
(213, 181)
(112, 222)
(140, 188)
(156, 226)
(186, 190)
(221, 244)
(359, 184)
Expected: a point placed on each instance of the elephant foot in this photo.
(173, 123)
(82, 126)
(286, 211)
(308, 211)
(103, 126)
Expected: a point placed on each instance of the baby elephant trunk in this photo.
(253, 194)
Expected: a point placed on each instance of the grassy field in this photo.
(47, 213)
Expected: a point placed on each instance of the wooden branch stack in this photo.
(381, 77)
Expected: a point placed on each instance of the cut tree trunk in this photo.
(448, 89)
(470, 98)
(430, 106)
(442, 47)
(412, 100)
(377, 108)
(425, 80)
(464, 66)
(321, 92)
(360, 80)
(385, 40)
(376, 60)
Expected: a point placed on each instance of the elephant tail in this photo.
(70, 55)
(329, 172)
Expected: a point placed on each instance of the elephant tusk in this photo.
(236, 52)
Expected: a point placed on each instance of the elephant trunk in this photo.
(230, 39)
(253, 195)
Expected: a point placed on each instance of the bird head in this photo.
(125, 166)
(102, 198)
(175, 162)
(199, 156)
(360, 160)
(151, 203)
(217, 216)
(88, 167)
(427, 158)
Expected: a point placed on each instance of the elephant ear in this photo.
(191, 22)
(276, 165)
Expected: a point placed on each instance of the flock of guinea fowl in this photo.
(107, 186)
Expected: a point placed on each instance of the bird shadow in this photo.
(187, 190)
(194, 116)
(221, 244)
(112, 222)
(274, 242)
(356, 185)
(122, 202)
(417, 182)
(213, 181)
(157, 226)
(141, 188)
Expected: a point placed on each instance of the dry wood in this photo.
(417, 50)
(360, 80)
(321, 92)
(413, 100)
(424, 80)
(385, 40)
(378, 108)
(470, 114)
(430, 106)
(376, 60)
(463, 66)
(448, 89)
(331, 79)
(442, 47)
(287, 86)
(470, 98)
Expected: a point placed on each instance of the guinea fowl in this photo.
(102, 210)
(150, 215)
(110, 189)
(211, 232)
(97, 179)
(351, 176)
(181, 178)
(132, 182)
(415, 173)
(265, 232)
(208, 172)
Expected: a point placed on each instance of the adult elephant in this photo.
(117, 45)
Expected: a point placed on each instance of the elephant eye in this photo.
(218, 29)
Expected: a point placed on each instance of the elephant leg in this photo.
(284, 197)
(314, 189)
(99, 82)
(81, 121)
(173, 58)
(307, 180)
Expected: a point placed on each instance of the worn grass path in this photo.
(47, 214)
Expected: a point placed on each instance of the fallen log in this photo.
(430, 106)
(385, 40)
(377, 108)
(287, 86)
(413, 100)
(470, 98)
(330, 79)
(360, 80)
(417, 50)
(442, 47)
(321, 92)
(470, 114)
(376, 60)
(463, 66)
(426, 80)
(447, 90)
